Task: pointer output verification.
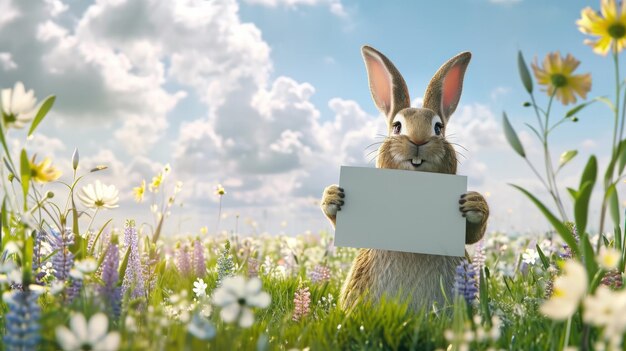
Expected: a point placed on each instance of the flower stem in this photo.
(219, 216)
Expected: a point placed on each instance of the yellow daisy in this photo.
(43, 172)
(156, 182)
(140, 191)
(609, 25)
(556, 74)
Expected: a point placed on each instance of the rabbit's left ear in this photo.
(444, 90)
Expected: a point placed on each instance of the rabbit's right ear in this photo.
(387, 86)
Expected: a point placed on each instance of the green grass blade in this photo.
(545, 261)
(561, 229)
(43, 111)
(25, 176)
(581, 207)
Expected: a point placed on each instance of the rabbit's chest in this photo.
(417, 277)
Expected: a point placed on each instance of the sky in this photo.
(270, 98)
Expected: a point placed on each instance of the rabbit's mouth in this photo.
(416, 161)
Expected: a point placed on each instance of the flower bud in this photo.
(526, 104)
(49, 194)
(575, 119)
(75, 159)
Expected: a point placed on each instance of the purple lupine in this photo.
(40, 237)
(465, 281)
(320, 274)
(199, 262)
(253, 267)
(133, 283)
(479, 257)
(182, 261)
(110, 291)
(301, 301)
(63, 261)
(22, 321)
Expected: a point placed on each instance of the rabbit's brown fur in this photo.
(416, 278)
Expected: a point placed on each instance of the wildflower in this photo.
(608, 258)
(109, 290)
(43, 172)
(133, 277)
(253, 267)
(86, 266)
(199, 262)
(479, 257)
(182, 261)
(22, 320)
(219, 190)
(156, 183)
(301, 302)
(18, 106)
(320, 274)
(530, 256)
(75, 159)
(99, 196)
(85, 335)
(199, 288)
(225, 265)
(613, 279)
(609, 26)
(236, 297)
(140, 191)
(201, 328)
(556, 75)
(465, 281)
(567, 292)
(605, 309)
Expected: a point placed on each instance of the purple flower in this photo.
(133, 283)
(199, 262)
(110, 291)
(301, 301)
(465, 281)
(22, 321)
(320, 274)
(63, 261)
(182, 261)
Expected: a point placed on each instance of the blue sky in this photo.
(270, 97)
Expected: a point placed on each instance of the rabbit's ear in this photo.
(444, 90)
(388, 88)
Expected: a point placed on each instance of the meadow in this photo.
(68, 284)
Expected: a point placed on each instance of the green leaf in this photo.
(122, 271)
(589, 255)
(590, 173)
(606, 102)
(566, 157)
(581, 206)
(95, 241)
(25, 176)
(4, 142)
(613, 198)
(27, 265)
(483, 292)
(560, 228)
(511, 136)
(46, 105)
(524, 73)
(622, 157)
(544, 260)
(577, 109)
(573, 193)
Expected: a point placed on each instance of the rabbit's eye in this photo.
(397, 127)
(438, 127)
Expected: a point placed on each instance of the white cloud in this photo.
(475, 128)
(7, 12)
(335, 6)
(499, 92)
(56, 7)
(6, 61)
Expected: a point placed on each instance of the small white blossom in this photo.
(568, 291)
(608, 258)
(98, 196)
(530, 256)
(87, 336)
(199, 288)
(236, 297)
(18, 106)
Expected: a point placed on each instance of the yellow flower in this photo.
(156, 182)
(608, 258)
(43, 172)
(556, 74)
(609, 25)
(219, 190)
(140, 191)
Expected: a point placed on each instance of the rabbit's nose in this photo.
(418, 142)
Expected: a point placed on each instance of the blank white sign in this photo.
(400, 210)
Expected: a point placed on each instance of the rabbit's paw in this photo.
(332, 200)
(473, 207)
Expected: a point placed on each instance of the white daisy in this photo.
(99, 196)
(530, 256)
(199, 288)
(18, 106)
(568, 291)
(236, 296)
(608, 258)
(88, 336)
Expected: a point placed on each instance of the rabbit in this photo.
(416, 142)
